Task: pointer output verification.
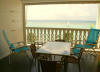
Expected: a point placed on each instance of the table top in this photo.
(58, 48)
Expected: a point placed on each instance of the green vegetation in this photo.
(30, 37)
(67, 38)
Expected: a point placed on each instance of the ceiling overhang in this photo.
(60, 1)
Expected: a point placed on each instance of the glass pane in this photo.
(81, 16)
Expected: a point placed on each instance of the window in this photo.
(82, 16)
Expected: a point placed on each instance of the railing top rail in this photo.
(55, 28)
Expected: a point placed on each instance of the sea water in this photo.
(79, 24)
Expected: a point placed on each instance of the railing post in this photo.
(52, 34)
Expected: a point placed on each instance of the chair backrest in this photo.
(93, 36)
(80, 54)
(33, 49)
(4, 49)
(6, 38)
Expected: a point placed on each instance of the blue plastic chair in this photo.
(11, 45)
(91, 41)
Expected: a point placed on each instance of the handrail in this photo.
(51, 34)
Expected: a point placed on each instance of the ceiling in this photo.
(59, 1)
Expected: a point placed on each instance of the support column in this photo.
(98, 18)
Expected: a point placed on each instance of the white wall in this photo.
(11, 19)
(11, 16)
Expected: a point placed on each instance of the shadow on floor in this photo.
(88, 64)
(20, 62)
(23, 62)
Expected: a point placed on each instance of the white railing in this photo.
(75, 36)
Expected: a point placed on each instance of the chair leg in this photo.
(79, 67)
(38, 66)
(35, 63)
(10, 58)
(65, 64)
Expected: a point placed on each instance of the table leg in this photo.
(38, 64)
(65, 64)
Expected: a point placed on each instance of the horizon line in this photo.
(61, 20)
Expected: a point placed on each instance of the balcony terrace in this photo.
(12, 20)
(75, 36)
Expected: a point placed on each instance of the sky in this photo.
(62, 12)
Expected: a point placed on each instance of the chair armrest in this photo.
(19, 44)
(91, 44)
(18, 47)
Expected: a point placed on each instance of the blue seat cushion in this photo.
(25, 48)
(20, 49)
(16, 50)
(77, 48)
(82, 46)
(76, 51)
